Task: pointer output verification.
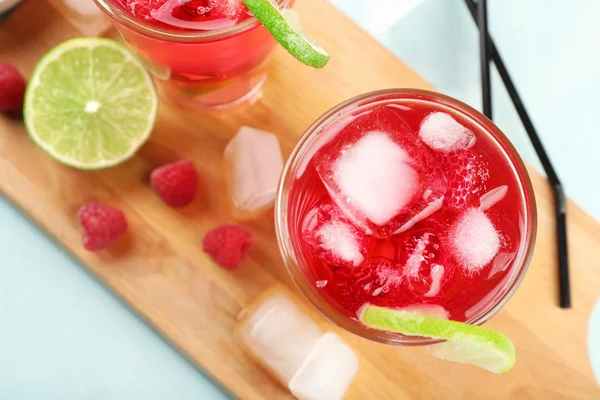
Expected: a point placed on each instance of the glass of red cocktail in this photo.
(410, 200)
(203, 54)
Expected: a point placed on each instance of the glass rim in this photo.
(126, 19)
(300, 279)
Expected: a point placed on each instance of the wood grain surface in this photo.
(159, 269)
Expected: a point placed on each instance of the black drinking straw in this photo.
(486, 88)
(560, 205)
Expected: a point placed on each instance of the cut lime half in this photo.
(465, 343)
(285, 27)
(90, 103)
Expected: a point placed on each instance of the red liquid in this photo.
(421, 264)
(203, 71)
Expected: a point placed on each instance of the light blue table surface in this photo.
(64, 336)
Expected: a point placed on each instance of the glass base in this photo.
(191, 95)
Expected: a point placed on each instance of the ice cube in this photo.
(83, 7)
(83, 15)
(278, 335)
(333, 238)
(416, 258)
(253, 165)
(501, 262)
(492, 197)
(422, 261)
(474, 239)
(423, 214)
(337, 238)
(376, 169)
(327, 372)
(436, 274)
(322, 283)
(373, 180)
(324, 138)
(443, 133)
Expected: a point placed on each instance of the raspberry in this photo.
(12, 88)
(102, 225)
(378, 279)
(228, 245)
(176, 183)
(466, 176)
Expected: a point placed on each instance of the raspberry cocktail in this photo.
(405, 199)
(202, 53)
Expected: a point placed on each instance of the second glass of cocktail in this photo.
(202, 53)
(406, 200)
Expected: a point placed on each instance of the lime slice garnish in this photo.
(285, 27)
(90, 103)
(468, 344)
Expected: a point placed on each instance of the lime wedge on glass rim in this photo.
(285, 27)
(465, 343)
(90, 103)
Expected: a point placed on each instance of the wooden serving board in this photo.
(160, 271)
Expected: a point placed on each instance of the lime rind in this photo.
(56, 111)
(475, 352)
(285, 27)
(471, 344)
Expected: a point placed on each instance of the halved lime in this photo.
(90, 103)
(468, 344)
(285, 27)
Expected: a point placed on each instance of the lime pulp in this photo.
(90, 103)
